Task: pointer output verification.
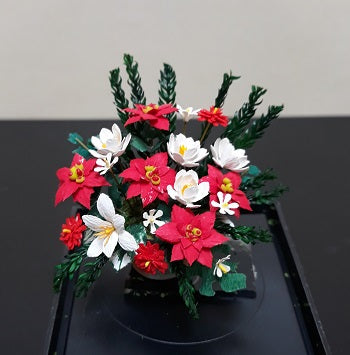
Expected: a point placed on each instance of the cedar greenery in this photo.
(267, 197)
(258, 181)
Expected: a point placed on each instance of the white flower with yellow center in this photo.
(108, 232)
(221, 268)
(224, 205)
(109, 141)
(105, 163)
(187, 113)
(185, 151)
(151, 219)
(226, 156)
(186, 189)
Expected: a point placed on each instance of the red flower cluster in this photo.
(214, 116)
(79, 181)
(192, 235)
(228, 184)
(72, 232)
(150, 258)
(149, 178)
(152, 113)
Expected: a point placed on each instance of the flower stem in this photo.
(184, 127)
(82, 144)
(204, 132)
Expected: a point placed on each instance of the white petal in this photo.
(146, 223)
(227, 198)
(171, 192)
(215, 204)
(120, 264)
(145, 215)
(105, 207)
(153, 228)
(96, 142)
(118, 222)
(117, 134)
(127, 241)
(95, 223)
(108, 248)
(159, 223)
(220, 196)
(95, 248)
(158, 214)
(96, 154)
(233, 205)
(203, 190)
(218, 272)
(105, 134)
(230, 212)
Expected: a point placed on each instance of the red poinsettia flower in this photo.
(152, 113)
(228, 184)
(149, 178)
(192, 235)
(72, 232)
(79, 181)
(150, 258)
(213, 116)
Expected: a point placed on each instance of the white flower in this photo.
(109, 232)
(119, 264)
(187, 113)
(151, 219)
(186, 188)
(109, 141)
(221, 268)
(226, 156)
(185, 151)
(224, 205)
(104, 164)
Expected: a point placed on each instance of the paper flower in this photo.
(226, 156)
(78, 181)
(119, 264)
(186, 188)
(220, 267)
(149, 178)
(105, 163)
(109, 141)
(226, 183)
(152, 113)
(149, 258)
(185, 151)
(151, 219)
(72, 232)
(224, 205)
(109, 231)
(192, 236)
(213, 116)
(187, 113)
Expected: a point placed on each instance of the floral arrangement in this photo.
(161, 200)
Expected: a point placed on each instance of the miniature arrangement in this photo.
(157, 199)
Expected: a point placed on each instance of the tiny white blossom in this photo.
(151, 219)
(226, 156)
(187, 113)
(104, 164)
(185, 151)
(186, 188)
(221, 268)
(224, 205)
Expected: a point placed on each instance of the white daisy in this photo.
(224, 205)
(151, 219)
(105, 163)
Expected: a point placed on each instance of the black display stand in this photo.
(281, 319)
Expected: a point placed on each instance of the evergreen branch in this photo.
(244, 233)
(120, 101)
(267, 198)
(223, 90)
(167, 94)
(243, 116)
(257, 181)
(92, 272)
(68, 267)
(137, 94)
(256, 130)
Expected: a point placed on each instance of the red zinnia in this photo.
(214, 116)
(79, 181)
(228, 184)
(150, 258)
(72, 232)
(192, 235)
(152, 113)
(149, 178)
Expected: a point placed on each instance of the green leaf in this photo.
(206, 288)
(232, 282)
(137, 94)
(166, 211)
(74, 138)
(223, 90)
(83, 152)
(115, 195)
(267, 197)
(138, 231)
(139, 144)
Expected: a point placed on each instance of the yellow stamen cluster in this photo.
(149, 108)
(151, 174)
(185, 187)
(105, 233)
(226, 186)
(223, 268)
(77, 173)
(193, 233)
(215, 110)
(182, 149)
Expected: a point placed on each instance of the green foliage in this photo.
(167, 93)
(243, 116)
(138, 231)
(75, 138)
(267, 197)
(132, 210)
(223, 90)
(90, 274)
(257, 181)
(139, 144)
(120, 100)
(115, 194)
(68, 267)
(232, 282)
(82, 149)
(137, 94)
(208, 278)
(256, 130)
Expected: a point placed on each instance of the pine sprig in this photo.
(167, 93)
(267, 197)
(137, 94)
(68, 267)
(223, 90)
(91, 273)
(256, 130)
(243, 116)
(120, 100)
(244, 233)
(258, 181)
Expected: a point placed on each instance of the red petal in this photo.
(148, 194)
(169, 233)
(240, 197)
(77, 159)
(159, 159)
(191, 254)
(94, 179)
(83, 196)
(164, 197)
(132, 119)
(177, 253)
(181, 215)
(130, 174)
(214, 239)
(205, 258)
(134, 190)
(161, 123)
(89, 165)
(205, 221)
(63, 174)
(65, 190)
(235, 179)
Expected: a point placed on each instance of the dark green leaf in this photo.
(138, 231)
(232, 282)
(139, 144)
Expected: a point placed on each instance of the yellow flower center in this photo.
(185, 187)
(104, 145)
(182, 149)
(77, 173)
(149, 108)
(215, 110)
(105, 233)
(193, 233)
(223, 268)
(151, 174)
(66, 230)
(147, 263)
(225, 204)
(226, 186)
